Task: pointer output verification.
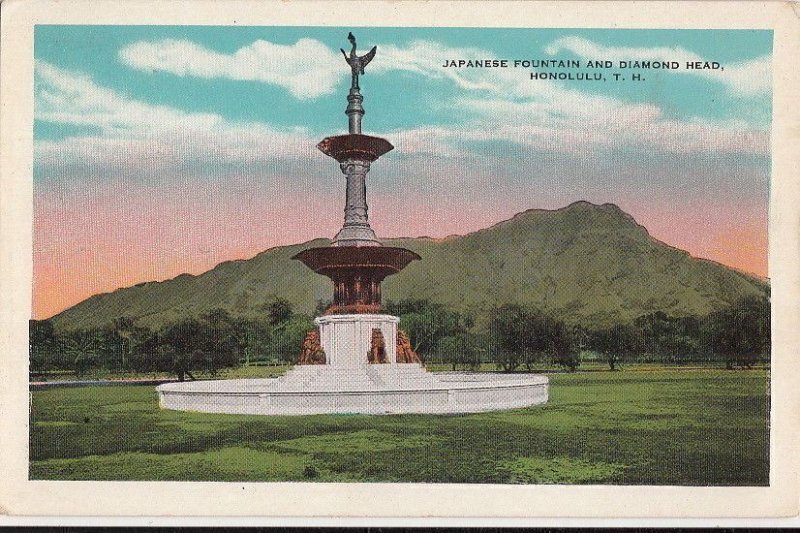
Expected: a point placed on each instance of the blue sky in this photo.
(206, 137)
(94, 50)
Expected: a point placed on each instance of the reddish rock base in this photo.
(312, 353)
(405, 354)
(377, 349)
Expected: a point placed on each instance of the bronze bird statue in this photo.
(357, 63)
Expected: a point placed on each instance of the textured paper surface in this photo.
(19, 496)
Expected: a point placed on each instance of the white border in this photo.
(18, 496)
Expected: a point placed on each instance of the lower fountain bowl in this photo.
(365, 389)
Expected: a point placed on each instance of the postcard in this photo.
(399, 259)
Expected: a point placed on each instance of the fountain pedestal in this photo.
(347, 339)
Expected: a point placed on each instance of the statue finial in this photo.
(357, 63)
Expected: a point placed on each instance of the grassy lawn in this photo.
(239, 372)
(660, 426)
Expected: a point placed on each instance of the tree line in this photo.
(215, 340)
(523, 337)
(517, 338)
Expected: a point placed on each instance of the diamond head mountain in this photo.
(585, 263)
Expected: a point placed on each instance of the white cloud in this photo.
(307, 69)
(67, 97)
(525, 111)
(137, 133)
(495, 105)
(505, 105)
(575, 124)
(745, 78)
(580, 139)
(426, 58)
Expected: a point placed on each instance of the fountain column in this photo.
(356, 230)
(354, 109)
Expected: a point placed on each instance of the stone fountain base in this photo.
(349, 383)
(367, 389)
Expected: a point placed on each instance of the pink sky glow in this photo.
(85, 243)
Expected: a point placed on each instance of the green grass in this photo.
(590, 366)
(562, 470)
(239, 372)
(266, 371)
(660, 426)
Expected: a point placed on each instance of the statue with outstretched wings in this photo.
(357, 63)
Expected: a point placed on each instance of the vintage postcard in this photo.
(399, 259)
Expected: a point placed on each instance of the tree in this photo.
(43, 347)
(286, 339)
(552, 341)
(181, 341)
(209, 342)
(522, 335)
(740, 333)
(123, 328)
(219, 344)
(147, 352)
(83, 348)
(560, 345)
(427, 322)
(617, 343)
(568, 359)
(670, 339)
(279, 310)
(506, 337)
(321, 306)
(252, 338)
(460, 349)
(579, 342)
(423, 329)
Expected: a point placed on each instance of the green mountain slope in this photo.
(585, 263)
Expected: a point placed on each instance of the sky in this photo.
(160, 150)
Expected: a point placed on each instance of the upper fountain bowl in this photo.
(354, 146)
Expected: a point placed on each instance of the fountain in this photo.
(358, 361)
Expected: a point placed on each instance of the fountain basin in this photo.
(365, 389)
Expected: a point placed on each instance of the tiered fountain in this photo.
(358, 361)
